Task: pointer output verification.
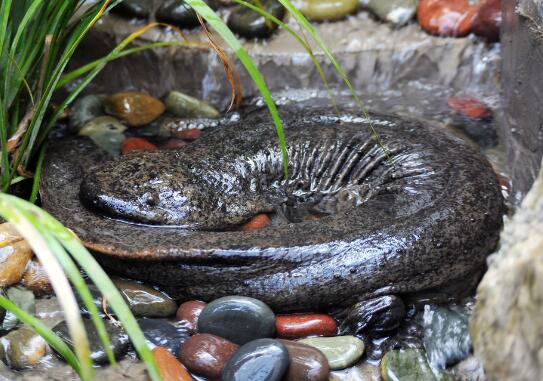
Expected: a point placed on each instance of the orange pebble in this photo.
(259, 221)
(470, 107)
(452, 18)
(136, 144)
(169, 367)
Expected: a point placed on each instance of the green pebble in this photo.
(185, 106)
(341, 351)
(327, 10)
(408, 365)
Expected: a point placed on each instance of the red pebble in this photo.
(136, 144)
(470, 107)
(303, 325)
(488, 21)
(450, 18)
(189, 312)
(169, 367)
(259, 221)
(173, 143)
(190, 134)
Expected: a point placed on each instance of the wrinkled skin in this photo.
(364, 226)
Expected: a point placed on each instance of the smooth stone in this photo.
(248, 23)
(470, 369)
(409, 365)
(179, 13)
(136, 108)
(172, 143)
(136, 143)
(35, 278)
(327, 10)
(101, 125)
(361, 372)
(185, 106)
(85, 109)
(22, 298)
(397, 12)
(206, 354)
(258, 360)
(189, 312)
(448, 18)
(374, 316)
(341, 351)
(260, 221)
(23, 348)
(188, 134)
(237, 318)
(145, 301)
(298, 326)
(111, 142)
(14, 256)
(488, 21)
(134, 8)
(118, 340)
(169, 367)
(446, 334)
(469, 107)
(162, 333)
(306, 363)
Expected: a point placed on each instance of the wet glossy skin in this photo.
(424, 220)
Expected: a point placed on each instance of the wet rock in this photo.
(305, 363)
(506, 325)
(446, 337)
(36, 279)
(118, 340)
(341, 351)
(362, 372)
(23, 348)
(374, 316)
(397, 12)
(206, 354)
(85, 109)
(303, 325)
(185, 106)
(471, 369)
(248, 23)
(145, 301)
(327, 10)
(179, 13)
(162, 333)
(172, 143)
(22, 298)
(101, 125)
(189, 134)
(189, 313)
(14, 255)
(406, 365)
(260, 221)
(451, 18)
(134, 8)
(487, 22)
(135, 143)
(133, 107)
(258, 360)
(170, 369)
(237, 318)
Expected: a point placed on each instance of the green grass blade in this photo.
(37, 175)
(52, 339)
(226, 34)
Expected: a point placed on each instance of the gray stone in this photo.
(85, 109)
(397, 12)
(506, 327)
(341, 351)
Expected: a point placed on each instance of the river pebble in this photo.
(248, 23)
(14, 256)
(206, 354)
(102, 124)
(145, 301)
(85, 109)
(162, 333)
(35, 278)
(179, 13)
(258, 360)
(188, 134)
(172, 144)
(341, 351)
(185, 106)
(23, 348)
(327, 10)
(451, 18)
(133, 107)
(306, 363)
(397, 12)
(189, 313)
(488, 21)
(237, 318)
(260, 221)
(409, 365)
(22, 298)
(135, 144)
(118, 340)
(470, 107)
(134, 8)
(169, 367)
(303, 325)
